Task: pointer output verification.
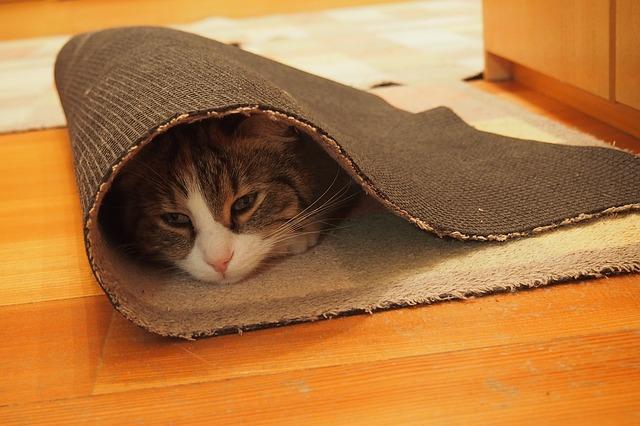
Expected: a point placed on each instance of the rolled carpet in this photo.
(122, 87)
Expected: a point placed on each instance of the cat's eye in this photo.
(176, 219)
(244, 203)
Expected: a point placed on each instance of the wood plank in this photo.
(49, 349)
(616, 114)
(628, 52)
(568, 310)
(614, 123)
(567, 40)
(36, 18)
(560, 381)
(41, 242)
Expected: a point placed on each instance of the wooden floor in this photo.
(35, 18)
(566, 354)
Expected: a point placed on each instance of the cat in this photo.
(220, 197)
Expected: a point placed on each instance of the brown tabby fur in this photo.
(227, 158)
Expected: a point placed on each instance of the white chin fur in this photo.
(214, 241)
(248, 253)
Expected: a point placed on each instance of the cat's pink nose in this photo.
(221, 264)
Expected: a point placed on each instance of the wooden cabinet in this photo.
(567, 40)
(592, 47)
(627, 58)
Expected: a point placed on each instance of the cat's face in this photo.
(217, 203)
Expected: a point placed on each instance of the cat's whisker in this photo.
(302, 215)
(335, 178)
(332, 226)
(158, 182)
(328, 232)
(297, 235)
(321, 209)
(155, 172)
(283, 252)
(328, 204)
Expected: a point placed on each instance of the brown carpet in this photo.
(119, 88)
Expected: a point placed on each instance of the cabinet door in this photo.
(567, 39)
(628, 52)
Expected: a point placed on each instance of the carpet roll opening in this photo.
(153, 294)
(122, 88)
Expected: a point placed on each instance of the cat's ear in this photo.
(218, 131)
(264, 126)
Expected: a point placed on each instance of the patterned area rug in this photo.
(405, 43)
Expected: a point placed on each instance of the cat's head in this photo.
(217, 198)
